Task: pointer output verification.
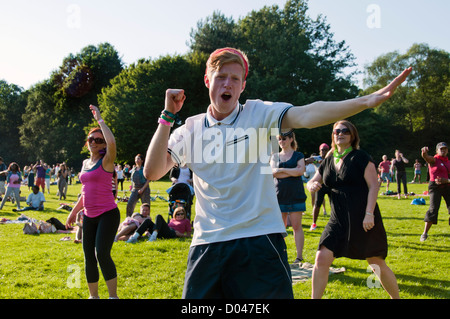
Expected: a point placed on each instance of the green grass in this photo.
(44, 267)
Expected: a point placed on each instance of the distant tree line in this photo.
(293, 58)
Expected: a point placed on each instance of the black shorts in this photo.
(249, 268)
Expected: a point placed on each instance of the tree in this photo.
(12, 106)
(420, 107)
(214, 32)
(57, 110)
(132, 104)
(37, 136)
(293, 58)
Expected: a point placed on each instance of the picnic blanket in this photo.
(301, 272)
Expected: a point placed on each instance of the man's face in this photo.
(225, 87)
(323, 151)
(443, 151)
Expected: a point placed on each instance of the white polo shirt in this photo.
(232, 177)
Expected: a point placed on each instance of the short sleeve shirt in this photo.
(233, 180)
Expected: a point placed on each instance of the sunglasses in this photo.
(97, 140)
(179, 214)
(344, 131)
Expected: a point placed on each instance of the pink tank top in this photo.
(96, 190)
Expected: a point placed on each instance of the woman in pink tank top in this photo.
(101, 215)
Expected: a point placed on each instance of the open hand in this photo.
(380, 96)
(95, 112)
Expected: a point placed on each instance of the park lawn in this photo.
(44, 267)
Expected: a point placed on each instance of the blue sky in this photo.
(35, 36)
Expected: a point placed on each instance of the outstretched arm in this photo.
(323, 113)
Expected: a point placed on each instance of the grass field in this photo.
(44, 267)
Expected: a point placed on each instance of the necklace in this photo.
(337, 156)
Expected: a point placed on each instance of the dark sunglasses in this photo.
(179, 214)
(344, 131)
(97, 140)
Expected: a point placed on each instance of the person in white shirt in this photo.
(35, 200)
(238, 250)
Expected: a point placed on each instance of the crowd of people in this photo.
(241, 213)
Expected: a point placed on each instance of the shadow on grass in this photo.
(415, 286)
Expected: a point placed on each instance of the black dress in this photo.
(344, 234)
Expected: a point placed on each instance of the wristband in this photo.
(370, 214)
(170, 120)
(169, 114)
(100, 121)
(164, 122)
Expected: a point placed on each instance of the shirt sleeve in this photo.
(272, 115)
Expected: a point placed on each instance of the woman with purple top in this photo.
(101, 215)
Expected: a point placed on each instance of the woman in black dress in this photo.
(355, 229)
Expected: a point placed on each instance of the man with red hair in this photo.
(238, 250)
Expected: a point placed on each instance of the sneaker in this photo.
(424, 237)
(153, 237)
(133, 239)
(313, 226)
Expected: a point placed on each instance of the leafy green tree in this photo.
(132, 104)
(12, 106)
(420, 107)
(293, 58)
(37, 136)
(57, 111)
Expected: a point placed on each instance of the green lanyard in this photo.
(338, 156)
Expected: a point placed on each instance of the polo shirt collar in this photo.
(210, 121)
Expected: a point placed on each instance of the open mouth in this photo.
(226, 96)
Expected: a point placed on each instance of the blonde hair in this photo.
(223, 56)
(177, 210)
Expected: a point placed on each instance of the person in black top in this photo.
(355, 229)
(288, 167)
(400, 175)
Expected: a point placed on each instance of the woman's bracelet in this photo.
(370, 214)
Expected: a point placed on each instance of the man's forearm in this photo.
(323, 113)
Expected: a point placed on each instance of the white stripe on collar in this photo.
(229, 120)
